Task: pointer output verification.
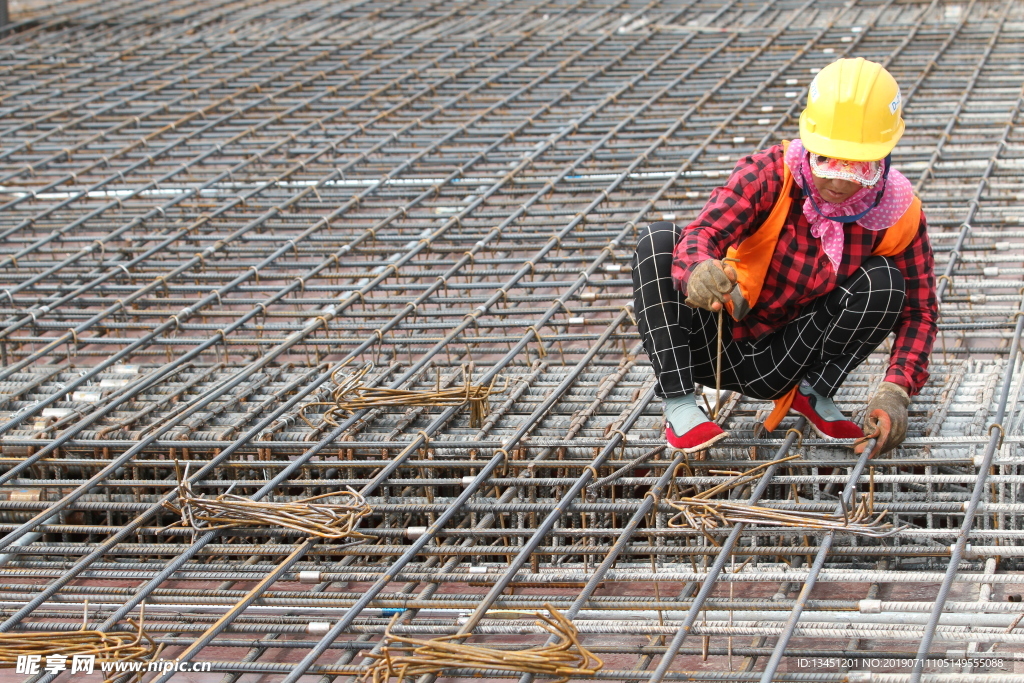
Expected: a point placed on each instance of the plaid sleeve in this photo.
(733, 212)
(916, 328)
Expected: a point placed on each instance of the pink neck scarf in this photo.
(898, 194)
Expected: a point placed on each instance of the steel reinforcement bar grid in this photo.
(215, 214)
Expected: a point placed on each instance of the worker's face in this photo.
(834, 190)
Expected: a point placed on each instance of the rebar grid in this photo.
(215, 216)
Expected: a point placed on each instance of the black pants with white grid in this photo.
(830, 337)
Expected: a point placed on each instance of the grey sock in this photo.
(683, 414)
(822, 405)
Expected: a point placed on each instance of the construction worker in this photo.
(817, 250)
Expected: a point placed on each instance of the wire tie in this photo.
(654, 497)
(540, 341)
(1001, 433)
(619, 432)
(799, 436)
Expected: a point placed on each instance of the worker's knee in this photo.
(883, 274)
(878, 286)
(659, 237)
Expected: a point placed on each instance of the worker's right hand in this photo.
(710, 284)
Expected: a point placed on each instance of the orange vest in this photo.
(754, 255)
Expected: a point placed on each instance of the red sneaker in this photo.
(831, 424)
(697, 439)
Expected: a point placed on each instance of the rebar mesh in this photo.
(208, 210)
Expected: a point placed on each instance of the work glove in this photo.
(710, 284)
(892, 400)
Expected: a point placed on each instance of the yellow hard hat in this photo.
(853, 112)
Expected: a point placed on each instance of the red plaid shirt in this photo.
(800, 270)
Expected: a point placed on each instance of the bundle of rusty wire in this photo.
(351, 395)
(116, 646)
(326, 520)
(705, 513)
(561, 660)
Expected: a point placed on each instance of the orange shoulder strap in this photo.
(781, 409)
(754, 254)
(901, 233)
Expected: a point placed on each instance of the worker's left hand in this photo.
(893, 400)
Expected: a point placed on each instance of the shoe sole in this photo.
(707, 444)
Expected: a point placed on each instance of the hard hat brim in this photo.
(844, 149)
